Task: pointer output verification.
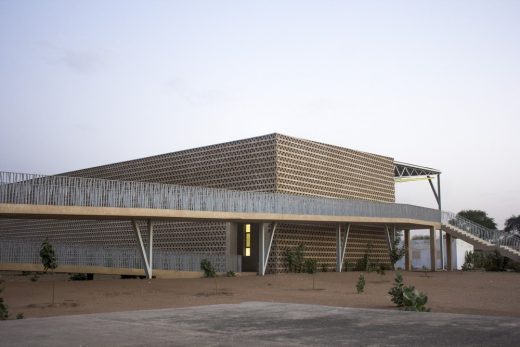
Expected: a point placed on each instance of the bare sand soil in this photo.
(455, 292)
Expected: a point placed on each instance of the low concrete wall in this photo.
(101, 270)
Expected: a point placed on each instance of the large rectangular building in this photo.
(270, 163)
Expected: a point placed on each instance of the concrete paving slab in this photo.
(263, 324)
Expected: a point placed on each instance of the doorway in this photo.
(247, 245)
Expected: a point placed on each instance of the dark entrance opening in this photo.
(247, 246)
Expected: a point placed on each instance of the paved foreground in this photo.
(260, 323)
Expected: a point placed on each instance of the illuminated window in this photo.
(247, 238)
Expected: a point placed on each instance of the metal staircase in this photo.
(482, 238)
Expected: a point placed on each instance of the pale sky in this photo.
(434, 83)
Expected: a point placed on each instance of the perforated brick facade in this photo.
(312, 168)
(271, 163)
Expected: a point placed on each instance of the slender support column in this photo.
(150, 246)
(449, 264)
(345, 246)
(265, 242)
(389, 244)
(338, 248)
(341, 247)
(261, 248)
(432, 248)
(408, 251)
(441, 249)
(146, 255)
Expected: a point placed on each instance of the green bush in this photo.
(364, 263)
(396, 252)
(407, 297)
(207, 267)
(295, 258)
(310, 266)
(4, 311)
(47, 255)
(492, 261)
(381, 269)
(495, 262)
(231, 274)
(360, 285)
(78, 277)
(396, 292)
(324, 268)
(413, 300)
(474, 260)
(34, 277)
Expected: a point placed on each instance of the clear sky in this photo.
(435, 83)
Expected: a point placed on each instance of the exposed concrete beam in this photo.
(101, 213)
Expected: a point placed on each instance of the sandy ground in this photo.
(455, 292)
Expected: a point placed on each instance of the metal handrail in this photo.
(496, 237)
(18, 188)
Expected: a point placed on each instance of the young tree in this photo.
(397, 251)
(310, 266)
(512, 225)
(48, 258)
(479, 217)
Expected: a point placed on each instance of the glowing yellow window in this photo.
(247, 234)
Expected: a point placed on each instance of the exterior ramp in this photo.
(482, 238)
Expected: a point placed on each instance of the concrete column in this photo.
(432, 248)
(441, 249)
(449, 265)
(261, 248)
(408, 251)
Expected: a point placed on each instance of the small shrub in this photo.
(78, 277)
(396, 252)
(381, 269)
(231, 274)
(495, 262)
(474, 261)
(20, 316)
(360, 285)
(407, 297)
(324, 268)
(396, 292)
(364, 263)
(207, 267)
(48, 259)
(414, 300)
(34, 277)
(310, 266)
(346, 265)
(4, 310)
(492, 261)
(295, 258)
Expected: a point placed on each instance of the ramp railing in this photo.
(17, 188)
(496, 237)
